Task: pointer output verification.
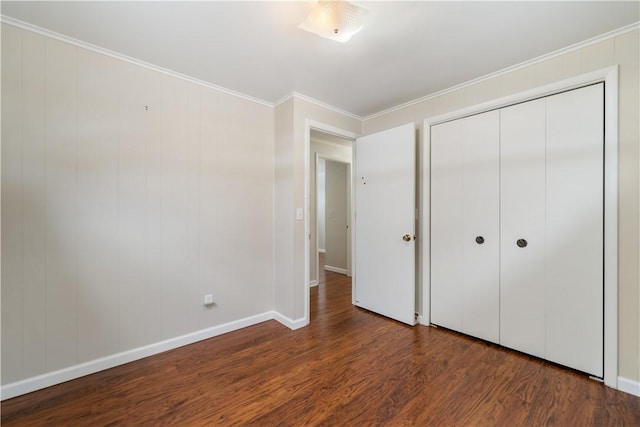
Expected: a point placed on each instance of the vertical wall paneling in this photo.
(12, 263)
(96, 225)
(192, 277)
(125, 198)
(132, 279)
(208, 246)
(33, 203)
(61, 205)
(153, 143)
(256, 159)
(233, 230)
(174, 220)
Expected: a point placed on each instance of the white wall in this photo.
(623, 50)
(117, 219)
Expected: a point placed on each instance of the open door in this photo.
(384, 184)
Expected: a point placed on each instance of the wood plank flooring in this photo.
(350, 367)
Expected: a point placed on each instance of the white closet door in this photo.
(522, 192)
(446, 225)
(481, 226)
(575, 173)
(465, 225)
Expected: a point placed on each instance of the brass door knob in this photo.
(406, 238)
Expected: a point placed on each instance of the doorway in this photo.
(333, 205)
(330, 205)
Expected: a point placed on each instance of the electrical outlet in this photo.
(208, 299)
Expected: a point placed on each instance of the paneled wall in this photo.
(127, 194)
(623, 50)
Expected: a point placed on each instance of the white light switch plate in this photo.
(299, 214)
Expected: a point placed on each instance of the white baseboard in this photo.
(52, 378)
(290, 323)
(313, 283)
(629, 386)
(322, 251)
(335, 269)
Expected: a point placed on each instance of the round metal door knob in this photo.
(406, 238)
(479, 240)
(522, 243)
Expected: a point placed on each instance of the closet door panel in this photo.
(481, 226)
(446, 225)
(522, 192)
(575, 194)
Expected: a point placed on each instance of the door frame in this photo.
(322, 127)
(349, 187)
(609, 76)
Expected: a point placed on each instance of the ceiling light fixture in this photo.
(334, 19)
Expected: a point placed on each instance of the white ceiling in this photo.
(405, 51)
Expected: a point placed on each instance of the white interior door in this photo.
(384, 275)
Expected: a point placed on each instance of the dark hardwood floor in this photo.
(350, 367)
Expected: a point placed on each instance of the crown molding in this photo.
(79, 43)
(297, 95)
(39, 30)
(611, 34)
(282, 100)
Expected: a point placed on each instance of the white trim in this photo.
(283, 99)
(79, 43)
(608, 75)
(290, 323)
(629, 386)
(611, 34)
(316, 102)
(39, 30)
(336, 269)
(322, 251)
(52, 378)
(313, 283)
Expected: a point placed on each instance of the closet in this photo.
(517, 227)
